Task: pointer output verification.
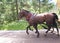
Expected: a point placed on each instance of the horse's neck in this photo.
(28, 16)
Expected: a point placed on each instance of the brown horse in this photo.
(35, 19)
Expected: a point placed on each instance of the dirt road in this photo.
(19, 36)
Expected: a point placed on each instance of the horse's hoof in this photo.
(37, 36)
(27, 32)
(45, 34)
(51, 31)
(58, 35)
(36, 32)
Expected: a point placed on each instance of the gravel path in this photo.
(19, 36)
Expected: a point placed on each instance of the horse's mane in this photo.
(29, 12)
(26, 10)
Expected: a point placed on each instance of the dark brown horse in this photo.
(35, 19)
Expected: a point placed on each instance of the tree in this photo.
(17, 6)
(9, 8)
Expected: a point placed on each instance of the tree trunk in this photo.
(17, 6)
(39, 6)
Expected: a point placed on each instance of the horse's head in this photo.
(22, 13)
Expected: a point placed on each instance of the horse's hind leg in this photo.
(35, 26)
(57, 29)
(49, 27)
(48, 30)
(55, 25)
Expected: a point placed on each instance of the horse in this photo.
(35, 19)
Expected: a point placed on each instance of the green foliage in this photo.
(9, 11)
(17, 25)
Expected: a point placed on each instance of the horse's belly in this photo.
(40, 19)
(33, 21)
(36, 20)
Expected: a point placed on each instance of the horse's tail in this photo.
(55, 19)
(55, 16)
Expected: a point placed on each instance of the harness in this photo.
(28, 17)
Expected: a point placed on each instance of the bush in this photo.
(17, 25)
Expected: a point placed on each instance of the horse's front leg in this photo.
(35, 26)
(27, 29)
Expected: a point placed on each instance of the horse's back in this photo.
(45, 16)
(42, 14)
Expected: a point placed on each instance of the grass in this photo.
(21, 25)
(17, 25)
